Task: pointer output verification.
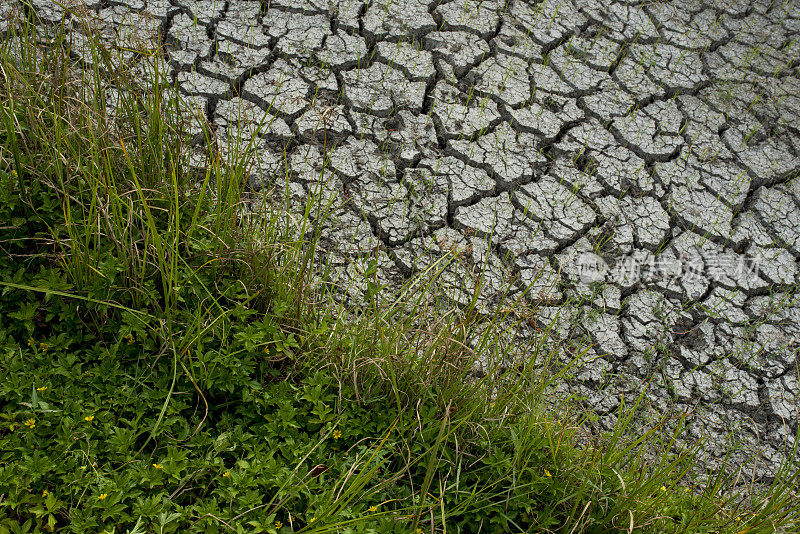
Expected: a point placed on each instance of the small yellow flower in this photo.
(663, 488)
(103, 496)
(44, 493)
(372, 509)
(547, 473)
(158, 466)
(31, 342)
(31, 423)
(312, 520)
(43, 388)
(337, 434)
(129, 339)
(43, 346)
(278, 524)
(89, 418)
(226, 473)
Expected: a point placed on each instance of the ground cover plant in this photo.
(171, 365)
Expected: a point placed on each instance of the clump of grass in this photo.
(173, 366)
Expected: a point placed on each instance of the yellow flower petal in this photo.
(103, 496)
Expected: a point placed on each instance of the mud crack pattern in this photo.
(627, 170)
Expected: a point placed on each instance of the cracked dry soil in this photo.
(626, 169)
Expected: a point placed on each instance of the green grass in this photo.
(171, 366)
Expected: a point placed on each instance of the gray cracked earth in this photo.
(625, 170)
